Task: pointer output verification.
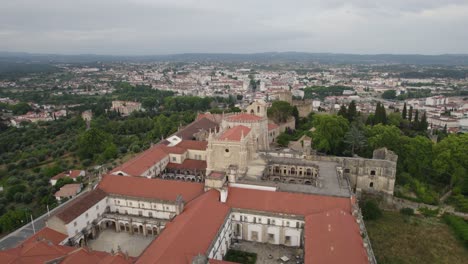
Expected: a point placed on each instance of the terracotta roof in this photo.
(284, 202)
(47, 234)
(33, 252)
(193, 144)
(150, 188)
(216, 175)
(190, 233)
(201, 124)
(141, 163)
(243, 117)
(80, 205)
(72, 174)
(173, 150)
(333, 237)
(68, 190)
(188, 164)
(272, 126)
(235, 133)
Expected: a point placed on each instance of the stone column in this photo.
(144, 230)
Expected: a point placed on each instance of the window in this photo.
(86, 215)
(268, 221)
(297, 224)
(97, 207)
(287, 223)
(371, 184)
(254, 235)
(74, 223)
(372, 172)
(150, 214)
(126, 212)
(226, 150)
(287, 240)
(245, 218)
(271, 237)
(255, 220)
(140, 213)
(273, 221)
(174, 159)
(347, 170)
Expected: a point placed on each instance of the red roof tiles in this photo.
(80, 205)
(47, 234)
(272, 126)
(141, 163)
(243, 117)
(235, 133)
(188, 164)
(284, 202)
(150, 188)
(190, 233)
(333, 237)
(193, 144)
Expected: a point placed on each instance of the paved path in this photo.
(16, 237)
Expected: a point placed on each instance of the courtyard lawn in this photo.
(402, 239)
(241, 257)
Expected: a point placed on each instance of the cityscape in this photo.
(205, 148)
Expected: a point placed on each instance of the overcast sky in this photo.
(138, 27)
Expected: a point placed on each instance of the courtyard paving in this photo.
(268, 253)
(109, 240)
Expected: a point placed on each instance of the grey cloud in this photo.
(166, 26)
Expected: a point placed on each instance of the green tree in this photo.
(280, 111)
(355, 139)
(329, 133)
(380, 114)
(389, 94)
(352, 111)
(93, 142)
(404, 113)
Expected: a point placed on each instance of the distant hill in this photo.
(267, 57)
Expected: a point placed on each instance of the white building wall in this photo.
(222, 242)
(82, 221)
(279, 227)
(130, 206)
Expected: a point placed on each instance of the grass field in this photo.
(240, 257)
(399, 239)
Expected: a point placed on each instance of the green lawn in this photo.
(399, 239)
(241, 257)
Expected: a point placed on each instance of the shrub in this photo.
(427, 212)
(407, 211)
(370, 210)
(459, 227)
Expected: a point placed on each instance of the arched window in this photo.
(371, 185)
(258, 109)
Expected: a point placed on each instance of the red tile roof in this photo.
(243, 117)
(272, 126)
(284, 202)
(33, 252)
(193, 144)
(201, 124)
(80, 205)
(333, 237)
(72, 174)
(150, 188)
(141, 163)
(235, 133)
(173, 150)
(190, 233)
(68, 190)
(188, 164)
(47, 234)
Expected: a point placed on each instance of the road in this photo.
(16, 237)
